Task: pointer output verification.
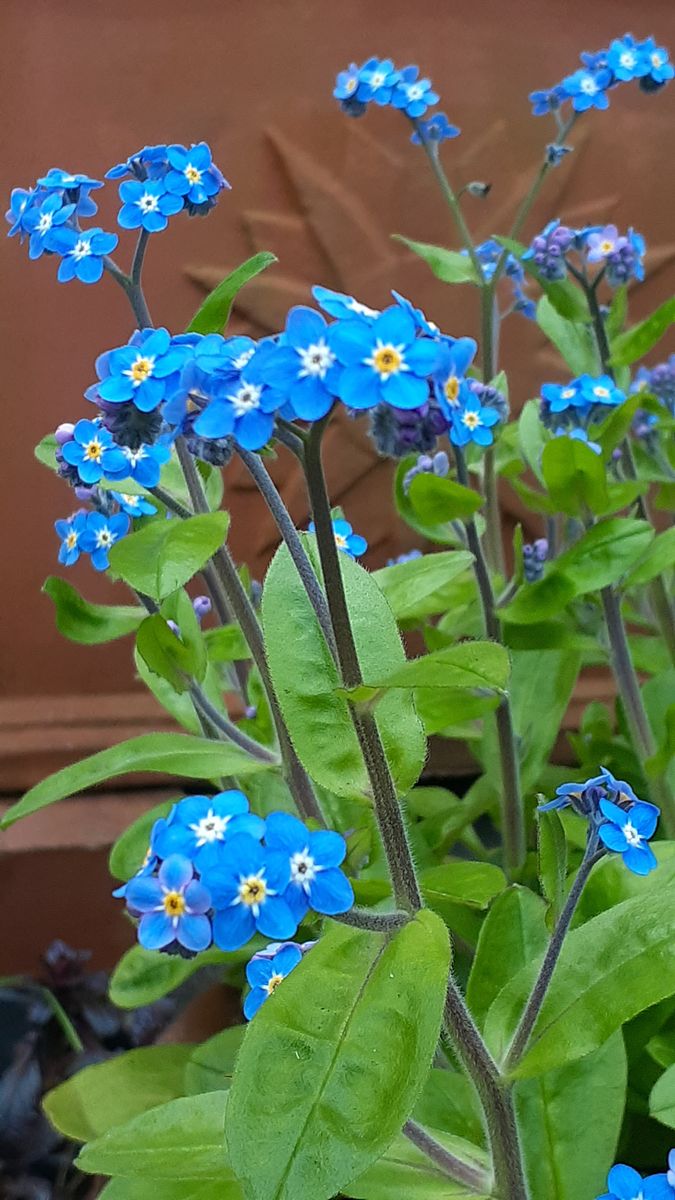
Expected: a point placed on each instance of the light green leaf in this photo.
(143, 976)
(573, 340)
(605, 552)
(437, 500)
(513, 934)
(337, 1059)
(662, 1098)
(473, 884)
(169, 1189)
(183, 1139)
(420, 587)
(86, 623)
(211, 1065)
(164, 653)
(618, 310)
(447, 265)
(628, 347)
(616, 425)
(534, 602)
(306, 679)
(405, 1173)
(214, 313)
(177, 704)
(164, 555)
(128, 853)
(531, 437)
(110, 1093)
(552, 860)
(466, 665)
(45, 452)
(226, 644)
(575, 477)
(441, 535)
(166, 753)
(658, 557)
(449, 1102)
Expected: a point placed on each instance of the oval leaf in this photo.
(421, 587)
(638, 341)
(90, 624)
(214, 313)
(166, 554)
(436, 499)
(447, 265)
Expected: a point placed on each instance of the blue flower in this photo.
(603, 242)
(174, 907)
(421, 323)
(314, 859)
(601, 390)
(70, 532)
(347, 83)
(202, 825)
(626, 832)
(384, 360)
(20, 204)
(626, 60)
(547, 101)
(146, 205)
(588, 89)
(145, 371)
(671, 1168)
(134, 506)
(42, 220)
(626, 1184)
(450, 383)
(661, 70)
(377, 79)
(247, 890)
(559, 397)
(436, 128)
(626, 261)
(75, 186)
(244, 406)
(579, 435)
(585, 797)
(264, 974)
(473, 422)
(337, 304)
(534, 557)
(412, 94)
(93, 452)
(83, 253)
(100, 534)
(303, 367)
(149, 163)
(194, 176)
(143, 465)
(345, 539)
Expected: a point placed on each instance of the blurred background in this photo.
(86, 84)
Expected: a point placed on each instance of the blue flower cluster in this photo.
(625, 1183)
(165, 180)
(568, 409)
(216, 872)
(619, 256)
(91, 533)
(427, 464)
(489, 254)
(624, 61)
(623, 822)
(658, 381)
(380, 82)
(535, 555)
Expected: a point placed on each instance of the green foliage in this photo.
(437, 500)
(564, 296)
(405, 1172)
(572, 339)
(575, 477)
(421, 587)
(447, 265)
(531, 437)
(605, 553)
(552, 860)
(90, 624)
(662, 1098)
(211, 1066)
(337, 1059)
(628, 347)
(467, 665)
(164, 555)
(212, 316)
(128, 853)
(513, 934)
(143, 976)
(474, 884)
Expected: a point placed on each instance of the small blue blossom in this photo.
(579, 435)
(588, 89)
(659, 381)
(264, 975)
(100, 534)
(42, 220)
(76, 188)
(143, 465)
(534, 557)
(626, 832)
(248, 893)
(547, 101)
(626, 262)
(422, 324)
(93, 452)
(83, 253)
(671, 1168)
(407, 556)
(601, 390)
(601, 243)
(473, 422)
(146, 371)
(20, 204)
(303, 367)
(345, 539)
(377, 79)
(134, 506)
(660, 71)
(147, 205)
(202, 825)
(384, 360)
(194, 176)
(558, 397)
(70, 531)
(337, 304)
(412, 94)
(450, 383)
(316, 880)
(347, 83)
(244, 406)
(173, 906)
(624, 1183)
(436, 128)
(626, 60)
(149, 163)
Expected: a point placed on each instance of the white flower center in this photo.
(387, 359)
(377, 79)
(192, 174)
(45, 222)
(210, 828)
(568, 393)
(316, 359)
(71, 540)
(601, 391)
(657, 59)
(631, 834)
(303, 868)
(246, 398)
(362, 309)
(415, 91)
(104, 538)
(132, 501)
(588, 85)
(148, 203)
(81, 249)
(627, 59)
(471, 419)
(242, 359)
(134, 456)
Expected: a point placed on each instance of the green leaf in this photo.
(169, 1189)
(211, 1065)
(166, 554)
(449, 1102)
(628, 347)
(405, 1173)
(662, 1098)
(337, 1059)
(618, 311)
(214, 313)
(306, 679)
(567, 1157)
(616, 425)
(552, 860)
(436, 499)
(613, 967)
(143, 976)
(658, 557)
(567, 299)
(605, 552)
(473, 884)
(45, 452)
(164, 653)
(226, 644)
(575, 477)
(183, 1139)
(466, 665)
(531, 437)
(513, 934)
(573, 340)
(534, 602)
(86, 623)
(178, 704)
(447, 265)
(541, 687)
(420, 587)
(442, 535)
(128, 853)
(110, 1093)
(166, 753)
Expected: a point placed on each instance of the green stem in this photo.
(431, 151)
(471, 1177)
(229, 730)
(385, 800)
(493, 518)
(512, 809)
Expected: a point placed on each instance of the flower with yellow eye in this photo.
(70, 532)
(264, 973)
(173, 907)
(100, 535)
(473, 423)
(450, 383)
(384, 360)
(93, 453)
(345, 539)
(194, 176)
(247, 887)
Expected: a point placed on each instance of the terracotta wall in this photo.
(86, 82)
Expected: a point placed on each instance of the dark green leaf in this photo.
(169, 1189)
(166, 554)
(90, 624)
(449, 1102)
(337, 1059)
(628, 347)
(420, 587)
(214, 313)
(437, 500)
(143, 976)
(211, 1065)
(166, 753)
(447, 265)
(552, 860)
(572, 339)
(662, 1099)
(473, 884)
(164, 653)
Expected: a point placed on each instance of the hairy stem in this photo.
(374, 922)
(385, 800)
(431, 151)
(472, 1177)
(229, 730)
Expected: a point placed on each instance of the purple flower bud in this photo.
(85, 493)
(251, 712)
(202, 606)
(64, 433)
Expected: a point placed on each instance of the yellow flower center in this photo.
(71, 540)
(387, 360)
(451, 389)
(340, 541)
(601, 391)
(174, 904)
(141, 369)
(252, 890)
(606, 247)
(93, 450)
(471, 420)
(192, 174)
(273, 984)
